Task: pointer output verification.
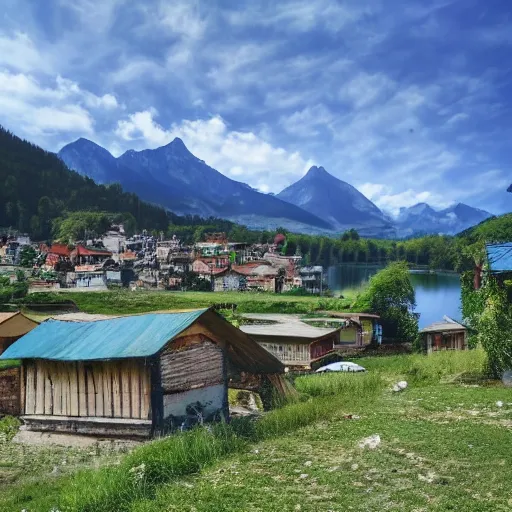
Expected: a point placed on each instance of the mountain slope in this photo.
(172, 176)
(336, 201)
(423, 219)
(37, 187)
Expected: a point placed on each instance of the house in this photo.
(295, 343)
(12, 327)
(137, 376)
(358, 329)
(312, 278)
(82, 255)
(258, 275)
(445, 335)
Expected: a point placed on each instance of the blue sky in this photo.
(408, 101)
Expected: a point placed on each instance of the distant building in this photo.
(295, 343)
(445, 335)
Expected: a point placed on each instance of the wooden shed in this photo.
(138, 375)
(445, 335)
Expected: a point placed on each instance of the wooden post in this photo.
(157, 401)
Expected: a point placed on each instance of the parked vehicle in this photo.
(342, 366)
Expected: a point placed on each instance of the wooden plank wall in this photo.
(112, 389)
(191, 362)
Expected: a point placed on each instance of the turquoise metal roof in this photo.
(117, 338)
(499, 257)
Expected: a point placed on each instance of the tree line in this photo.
(38, 188)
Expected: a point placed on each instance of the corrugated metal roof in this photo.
(499, 257)
(117, 338)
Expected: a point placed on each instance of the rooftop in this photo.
(499, 257)
(290, 326)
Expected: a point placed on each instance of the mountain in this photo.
(37, 188)
(423, 219)
(173, 177)
(339, 203)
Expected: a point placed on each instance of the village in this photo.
(146, 262)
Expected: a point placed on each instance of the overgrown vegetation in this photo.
(488, 311)
(391, 295)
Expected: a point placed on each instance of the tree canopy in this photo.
(390, 294)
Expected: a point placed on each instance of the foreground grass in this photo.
(442, 448)
(442, 445)
(127, 302)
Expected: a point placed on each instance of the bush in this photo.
(391, 295)
(8, 427)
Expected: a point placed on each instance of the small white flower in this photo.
(499, 403)
(303, 475)
(308, 463)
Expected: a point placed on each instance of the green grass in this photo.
(425, 462)
(9, 363)
(445, 446)
(127, 302)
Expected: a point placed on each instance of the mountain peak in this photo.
(315, 171)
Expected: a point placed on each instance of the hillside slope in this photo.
(38, 187)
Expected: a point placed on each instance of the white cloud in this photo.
(41, 112)
(365, 89)
(307, 122)
(299, 15)
(183, 18)
(241, 155)
(457, 118)
(20, 53)
(388, 200)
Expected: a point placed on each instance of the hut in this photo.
(137, 376)
(445, 335)
(358, 329)
(12, 327)
(295, 343)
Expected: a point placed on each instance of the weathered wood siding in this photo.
(196, 365)
(10, 391)
(193, 377)
(109, 389)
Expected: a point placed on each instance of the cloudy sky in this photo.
(408, 101)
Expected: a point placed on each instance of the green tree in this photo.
(27, 256)
(390, 294)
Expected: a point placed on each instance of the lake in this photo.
(436, 294)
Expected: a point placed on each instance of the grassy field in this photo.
(445, 445)
(125, 302)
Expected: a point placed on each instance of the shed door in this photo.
(109, 389)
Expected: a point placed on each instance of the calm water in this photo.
(436, 294)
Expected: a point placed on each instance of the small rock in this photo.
(370, 442)
(354, 467)
(400, 386)
(303, 475)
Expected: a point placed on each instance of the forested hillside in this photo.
(37, 188)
